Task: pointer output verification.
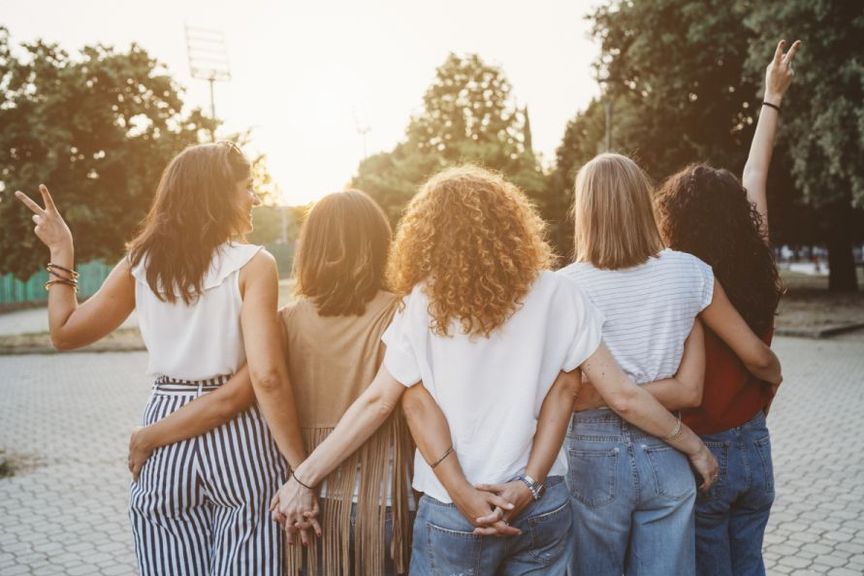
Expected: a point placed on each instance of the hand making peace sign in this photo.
(50, 228)
(779, 73)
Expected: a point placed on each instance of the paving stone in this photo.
(71, 414)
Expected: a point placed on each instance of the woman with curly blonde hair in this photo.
(487, 330)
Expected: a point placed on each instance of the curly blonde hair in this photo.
(476, 242)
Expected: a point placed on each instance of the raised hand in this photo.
(779, 74)
(50, 228)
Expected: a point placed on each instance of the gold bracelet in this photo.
(676, 431)
(64, 282)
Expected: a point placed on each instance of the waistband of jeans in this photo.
(182, 387)
(551, 481)
(608, 420)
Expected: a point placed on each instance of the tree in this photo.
(823, 119)
(97, 128)
(468, 115)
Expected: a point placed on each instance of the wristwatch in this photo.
(537, 488)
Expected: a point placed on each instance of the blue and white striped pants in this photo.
(200, 507)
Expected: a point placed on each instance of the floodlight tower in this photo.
(208, 60)
(362, 128)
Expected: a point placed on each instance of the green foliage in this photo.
(468, 116)
(97, 128)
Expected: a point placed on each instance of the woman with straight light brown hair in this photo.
(206, 305)
(632, 494)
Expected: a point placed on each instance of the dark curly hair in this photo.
(705, 211)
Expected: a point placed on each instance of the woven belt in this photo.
(169, 385)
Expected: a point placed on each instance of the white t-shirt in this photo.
(491, 389)
(649, 309)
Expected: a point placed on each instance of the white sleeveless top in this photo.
(203, 339)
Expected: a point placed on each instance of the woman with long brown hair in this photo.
(206, 304)
(486, 329)
(724, 221)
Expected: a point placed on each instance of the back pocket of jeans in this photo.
(452, 551)
(592, 475)
(550, 533)
(673, 477)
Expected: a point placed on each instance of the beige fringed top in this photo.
(331, 360)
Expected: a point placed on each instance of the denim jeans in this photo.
(444, 543)
(731, 517)
(632, 497)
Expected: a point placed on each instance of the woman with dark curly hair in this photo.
(710, 214)
(486, 330)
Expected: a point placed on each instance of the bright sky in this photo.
(305, 73)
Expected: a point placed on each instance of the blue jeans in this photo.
(444, 542)
(632, 497)
(731, 517)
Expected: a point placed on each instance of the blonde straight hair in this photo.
(615, 222)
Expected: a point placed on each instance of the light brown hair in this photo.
(615, 222)
(476, 242)
(195, 210)
(342, 253)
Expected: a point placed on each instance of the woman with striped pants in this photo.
(206, 305)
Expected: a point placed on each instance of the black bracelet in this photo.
(293, 475)
(447, 453)
(770, 105)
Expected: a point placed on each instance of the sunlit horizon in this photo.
(304, 80)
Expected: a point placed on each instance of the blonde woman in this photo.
(486, 329)
(633, 494)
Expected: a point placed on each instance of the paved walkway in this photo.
(32, 320)
(67, 416)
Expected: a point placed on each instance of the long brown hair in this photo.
(706, 212)
(615, 225)
(195, 210)
(342, 253)
(476, 242)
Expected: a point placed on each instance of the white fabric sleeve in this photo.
(706, 284)
(584, 329)
(399, 358)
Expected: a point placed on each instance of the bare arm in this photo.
(73, 325)
(684, 390)
(195, 418)
(262, 336)
(778, 77)
(359, 422)
(722, 317)
(432, 435)
(641, 409)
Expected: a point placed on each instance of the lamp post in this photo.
(208, 60)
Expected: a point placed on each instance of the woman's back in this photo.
(491, 388)
(649, 309)
(202, 339)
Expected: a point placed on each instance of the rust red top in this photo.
(731, 396)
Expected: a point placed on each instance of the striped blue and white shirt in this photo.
(649, 309)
